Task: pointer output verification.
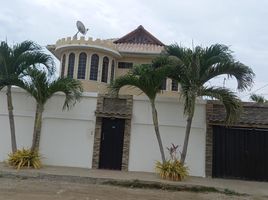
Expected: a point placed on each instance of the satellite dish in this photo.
(81, 29)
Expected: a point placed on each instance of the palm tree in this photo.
(195, 68)
(13, 62)
(258, 98)
(147, 78)
(42, 87)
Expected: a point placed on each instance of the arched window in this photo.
(82, 66)
(174, 85)
(94, 67)
(63, 65)
(70, 72)
(112, 71)
(105, 64)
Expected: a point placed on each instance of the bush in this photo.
(172, 169)
(24, 158)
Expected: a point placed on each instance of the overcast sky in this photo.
(241, 24)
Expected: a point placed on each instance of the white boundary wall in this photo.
(68, 136)
(144, 150)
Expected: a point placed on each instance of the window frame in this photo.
(71, 63)
(94, 69)
(82, 64)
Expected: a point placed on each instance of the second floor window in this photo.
(125, 65)
(112, 71)
(94, 66)
(71, 60)
(63, 65)
(104, 74)
(82, 66)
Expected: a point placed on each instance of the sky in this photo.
(240, 24)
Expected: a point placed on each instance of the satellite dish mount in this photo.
(81, 29)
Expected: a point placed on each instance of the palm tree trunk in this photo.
(186, 138)
(37, 127)
(11, 119)
(157, 132)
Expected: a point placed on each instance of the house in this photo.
(97, 62)
(121, 122)
(117, 133)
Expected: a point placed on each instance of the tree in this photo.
(147, 78)
(258, 98)
(42, 86)
(195, 68)
(13, 63)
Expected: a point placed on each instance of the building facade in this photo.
(97, 62)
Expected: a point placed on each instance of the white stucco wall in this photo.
(144, 150)
(67, 136)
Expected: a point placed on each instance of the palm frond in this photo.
(41, 86)
(26, 46)
(216, 53)
(34, 59)
(72, 89)
(258, 98)
(14, 61)
(126, 80)
(145, 77)
(231, 102)
(243, 74)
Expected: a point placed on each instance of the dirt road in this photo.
(18, 189)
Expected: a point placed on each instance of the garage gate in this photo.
(240, 153)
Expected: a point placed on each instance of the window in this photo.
(104, 74)
(63, 65)
(82, 66)
(112, 71)
(125, 65)
(70, 72)
(164, 84)
(174, 85)
(94, 67)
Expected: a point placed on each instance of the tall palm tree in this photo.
(258, 98)
(42, 86)
(13, 62)
(147, 78)
(196, 67)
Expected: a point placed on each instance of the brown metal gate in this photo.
(240, 153)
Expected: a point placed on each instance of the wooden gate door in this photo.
(240, 153)
(112, 139)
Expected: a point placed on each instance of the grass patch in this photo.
(168, 187)
(232, 193)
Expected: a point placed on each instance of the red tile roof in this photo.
(139, 36)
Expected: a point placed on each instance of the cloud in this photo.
(240, 24)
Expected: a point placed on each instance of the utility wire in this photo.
(256, 90)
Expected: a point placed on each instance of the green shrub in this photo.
(24, 158)
(172, 169)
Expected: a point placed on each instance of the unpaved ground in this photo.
(19, 189)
